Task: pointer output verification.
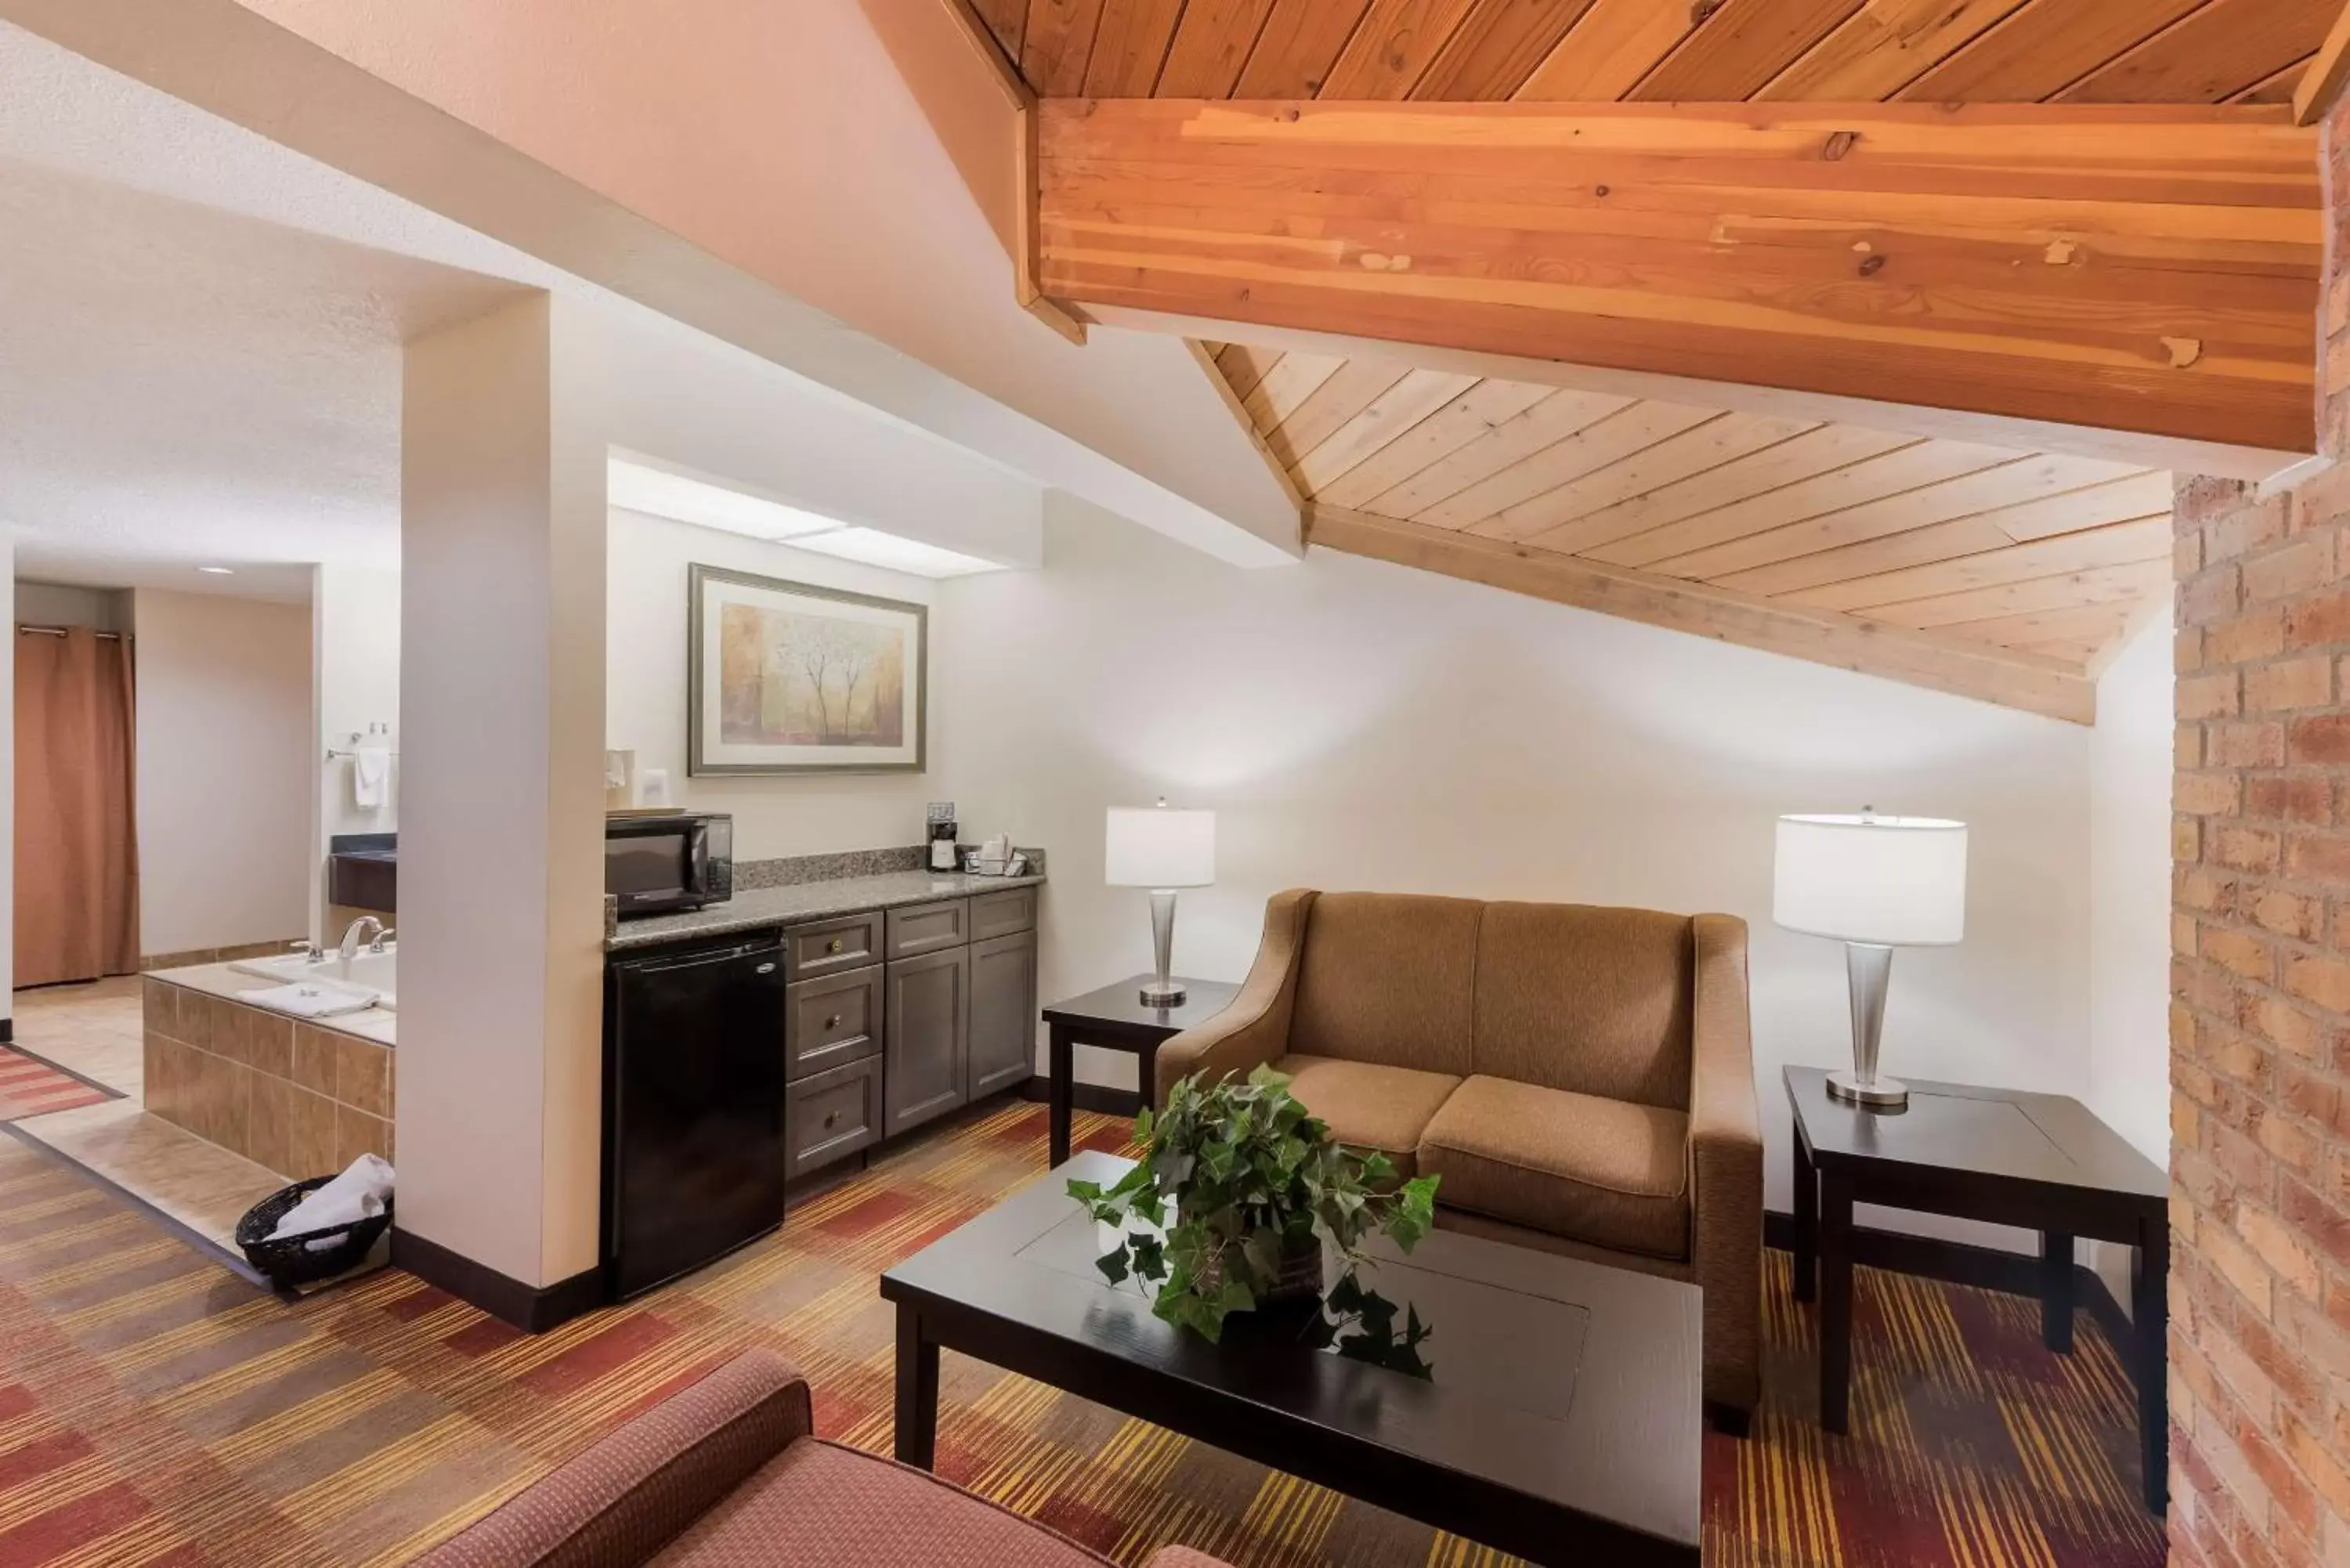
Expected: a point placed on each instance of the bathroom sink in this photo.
(367, 972)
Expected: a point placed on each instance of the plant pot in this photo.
(1300, 1278)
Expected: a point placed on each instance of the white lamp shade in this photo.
(1152, 847)
(1896, 880)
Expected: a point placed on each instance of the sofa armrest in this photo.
(1255, 1028)
(1725, 1165)
(617, 1505)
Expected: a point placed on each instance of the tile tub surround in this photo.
(302, 1099)
(150, 962)
(761, 908)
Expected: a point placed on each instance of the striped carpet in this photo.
(31, 1087)
(156, 1410)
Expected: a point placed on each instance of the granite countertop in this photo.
(376, 1023)
(760, 908)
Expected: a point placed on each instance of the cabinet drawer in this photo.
(832, 1019)
(828, 947)
(1001, 914)
(926, 928)
(832, 1116)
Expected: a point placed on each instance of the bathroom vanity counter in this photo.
(797, 903)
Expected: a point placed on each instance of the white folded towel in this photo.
(306, 1000)
(358, 1193)
(370, 776)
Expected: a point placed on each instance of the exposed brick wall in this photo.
(2259, 1030)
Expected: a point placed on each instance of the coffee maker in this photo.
(940, 853)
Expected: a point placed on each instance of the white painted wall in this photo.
(2129, 910)
(224, 738)
(645, 693)
(8, 792)
(1361, 725)
(355, 657)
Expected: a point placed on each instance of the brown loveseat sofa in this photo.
(1581, 1078)
(725, 1471)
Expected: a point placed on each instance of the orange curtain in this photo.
(77, 843)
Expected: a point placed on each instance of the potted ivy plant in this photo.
(1238, 1190)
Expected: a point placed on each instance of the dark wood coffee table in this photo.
(1563, 1423)
(2039, 1161)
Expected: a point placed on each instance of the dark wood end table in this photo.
(1115, 1019)
(2041, 1162)
(1562, 1423)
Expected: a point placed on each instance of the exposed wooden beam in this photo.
(900, 28)
(2055, 687)
(2138, 269)
(2323, 82)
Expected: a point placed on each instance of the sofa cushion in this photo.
(1604, 1172)
(1388, 978)
(1575, 997)
(821, 1506)
(1368, 1106)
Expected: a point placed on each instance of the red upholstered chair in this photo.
(727, 1473)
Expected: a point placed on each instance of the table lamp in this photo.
(1154, 848)
(1873, 883)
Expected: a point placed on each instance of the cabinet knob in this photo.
(833, 1021)
(833, 946)
(831, 1118)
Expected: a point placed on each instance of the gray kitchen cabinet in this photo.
(1001, 914)
(831, 1116)
(832, 1019)
(1001, 1049)
(925, 1051)
(928, 927)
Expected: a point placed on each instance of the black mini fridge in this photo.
(693, 1108)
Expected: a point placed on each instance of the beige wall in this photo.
(645, 693)
(1357, 725)
(65, 604)
(224, 766)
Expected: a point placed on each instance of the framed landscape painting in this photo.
(784, 677)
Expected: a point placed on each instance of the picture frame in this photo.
(785, 678)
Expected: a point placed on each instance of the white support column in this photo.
(501, 837)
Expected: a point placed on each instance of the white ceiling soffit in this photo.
(59, 108)
(182, 387)
(636, 484)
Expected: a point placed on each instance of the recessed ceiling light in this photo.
(895, 553)
(673, 495)
(218, 571)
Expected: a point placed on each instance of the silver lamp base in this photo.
(1867, 970)
(1880, 1092)
(1163, 991)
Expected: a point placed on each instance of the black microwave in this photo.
(679, 860)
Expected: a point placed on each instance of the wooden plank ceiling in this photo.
(1587, 51)
(2053, 558)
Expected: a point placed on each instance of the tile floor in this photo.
(96, 1030)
